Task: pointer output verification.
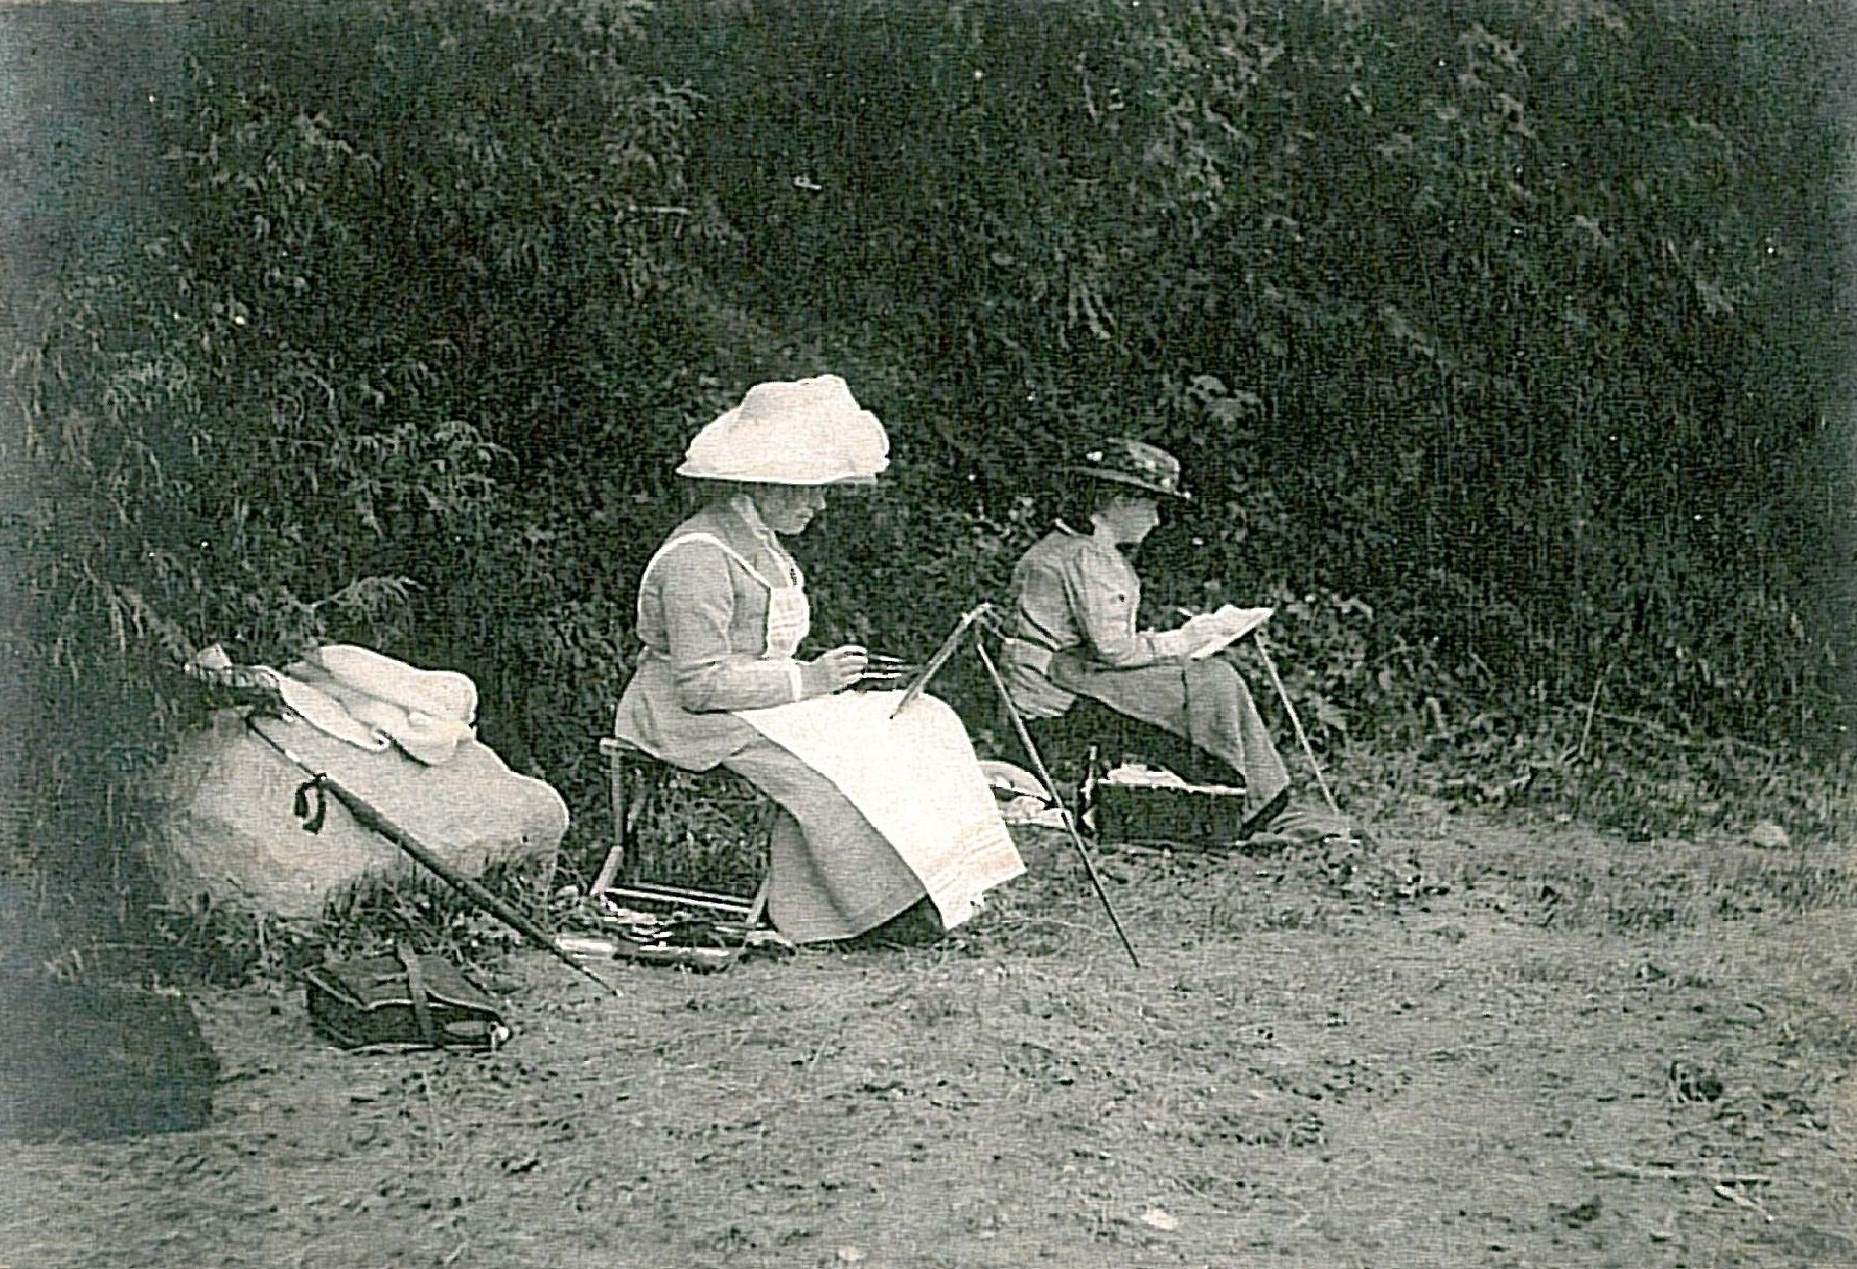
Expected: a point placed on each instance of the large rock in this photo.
(228, 829)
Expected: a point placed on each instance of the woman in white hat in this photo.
(878, 813)
(1075, 599)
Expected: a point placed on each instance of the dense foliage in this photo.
(1499, 340)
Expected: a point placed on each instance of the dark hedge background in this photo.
(1502, 341)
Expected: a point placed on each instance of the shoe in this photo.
(1264, 816)
(918, 925)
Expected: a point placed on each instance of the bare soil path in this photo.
(1469, 1044)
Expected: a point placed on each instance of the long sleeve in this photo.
(1105, 595)
(698, 605)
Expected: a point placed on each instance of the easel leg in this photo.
(1044, 777)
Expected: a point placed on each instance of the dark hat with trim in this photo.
(1135, 463)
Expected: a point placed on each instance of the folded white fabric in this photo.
(439, 694)
(1006, 777)
(364, 698)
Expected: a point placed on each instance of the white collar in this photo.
(745, 508)
(1090, 536)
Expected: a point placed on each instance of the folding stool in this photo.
(618, 878)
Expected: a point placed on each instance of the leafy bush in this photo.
(305, 410)
(1498, 342)
(1460, 312)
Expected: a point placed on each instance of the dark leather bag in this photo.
(404, 999)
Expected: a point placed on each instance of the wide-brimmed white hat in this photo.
(806, 432)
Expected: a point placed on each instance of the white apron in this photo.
(915, 778)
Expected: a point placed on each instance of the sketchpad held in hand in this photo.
(407, 999)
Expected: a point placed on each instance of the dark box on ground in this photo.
(96, 1061)
(1194, 816)
(369, 1001)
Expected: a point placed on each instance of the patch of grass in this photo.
(1630, 776)
(227, 946)
(1577, 880)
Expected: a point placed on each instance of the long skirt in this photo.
(832, 876)
(1204, 702)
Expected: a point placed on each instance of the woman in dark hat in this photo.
(1075, 599)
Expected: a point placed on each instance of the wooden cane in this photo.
(1301, 737)
(1044, 776)
(369, 818)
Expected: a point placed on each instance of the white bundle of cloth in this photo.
(363, 697)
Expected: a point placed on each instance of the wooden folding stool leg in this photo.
(618, 875)
(764, 841)
(621, 861)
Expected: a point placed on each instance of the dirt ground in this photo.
(1467, 1043)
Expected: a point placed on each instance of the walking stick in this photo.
(1044, 776)
(1301, 737)
(369, 818)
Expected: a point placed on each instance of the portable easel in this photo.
(987, 616)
